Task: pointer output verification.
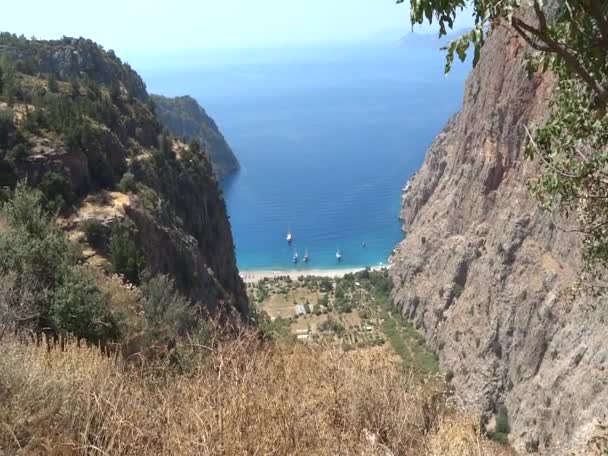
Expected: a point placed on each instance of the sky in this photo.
(129, 26)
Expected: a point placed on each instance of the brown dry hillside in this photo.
(240, 397)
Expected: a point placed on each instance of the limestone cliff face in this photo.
(484, 272)
(185, 118)
(189, 237)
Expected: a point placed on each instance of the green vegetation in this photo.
(49, 289)
(186, 119)
(94, 231)
(127, 183)
(125, 256)
(277, 329)
(501, 434)
(79, 308)
(43, 286)
(572, 144)
(167, 313)
(101, 114)
(332, 325)
(93, 129)
(359, 314)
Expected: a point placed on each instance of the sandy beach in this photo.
(255, 276)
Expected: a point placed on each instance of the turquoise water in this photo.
(326, 139)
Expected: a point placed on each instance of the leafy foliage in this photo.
(167, 312)
(78, 308)
(126, 258)
(127, 183)
(46, 278)
(573, 145)
(94, 231)
(184, 118)
(97, 107)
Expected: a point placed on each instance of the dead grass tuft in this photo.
(243, 397)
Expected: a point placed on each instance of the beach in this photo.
(256, 276)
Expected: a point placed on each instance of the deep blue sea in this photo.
(327, 139)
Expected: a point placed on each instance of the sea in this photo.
(327, 137)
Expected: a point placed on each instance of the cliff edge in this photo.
(485, 274)
(185, 118)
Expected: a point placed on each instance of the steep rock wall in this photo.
(484, 273)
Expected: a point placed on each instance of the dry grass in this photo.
(105, 205)
(243, 397)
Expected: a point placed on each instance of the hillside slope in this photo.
(185, 118)
(77, 122)
(485, 273)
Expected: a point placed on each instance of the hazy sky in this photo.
(153, 25)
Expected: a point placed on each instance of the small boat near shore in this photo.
(289, 236)
(295, 257)
(339, 255)
(306, 257)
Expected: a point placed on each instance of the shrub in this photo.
(166, 311)
(79, 308)
(94, 231)
(17, 154)
(449, 375)
(125, 256)
(333, 326)
(8, 175)
(501, 433)
(44, 278)
(7, 126)
(57, 190)
(33, 247)
(127, 183)
(502, 420)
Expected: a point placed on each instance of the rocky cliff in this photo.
(485, 274)
(185, 118)
(78, 123)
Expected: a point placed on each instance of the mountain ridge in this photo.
(185, 118)
(78, 124)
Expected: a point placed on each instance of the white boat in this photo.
(295, 257)
(306, 257)
(339, 255)
(289, 236)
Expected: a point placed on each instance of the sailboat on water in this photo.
(289, 236)
(295, 257)
(306, 257)
(339, 255)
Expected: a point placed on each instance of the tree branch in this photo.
(533, 44)
(595, 10)
(550, 45)
(547, 162)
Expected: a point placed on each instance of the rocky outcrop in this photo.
(188, 235)
(485, 274)
(185, 118)
(72, 58)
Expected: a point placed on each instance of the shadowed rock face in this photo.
(190, 238)
(485, 273)
(185, 118)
